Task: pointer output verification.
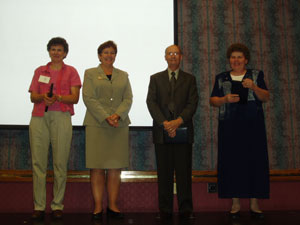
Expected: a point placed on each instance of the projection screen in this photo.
(142, 29)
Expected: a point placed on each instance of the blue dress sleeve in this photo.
(261, 81)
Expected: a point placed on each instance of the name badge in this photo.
(44, 79)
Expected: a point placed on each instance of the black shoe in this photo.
(235, 216)
(38, 215)
(164, 217)
(257, 215)
(113, 214)
(186, 216)
(97, 216)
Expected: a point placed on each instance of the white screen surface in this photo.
(142, 29)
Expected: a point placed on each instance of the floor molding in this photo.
(138, 176)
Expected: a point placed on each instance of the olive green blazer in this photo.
(103, 97)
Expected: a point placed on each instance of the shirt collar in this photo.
(47, 69)
(176, 73)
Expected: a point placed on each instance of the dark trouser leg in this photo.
(183, 171)
(165, 173)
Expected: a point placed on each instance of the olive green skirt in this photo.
(107, 148)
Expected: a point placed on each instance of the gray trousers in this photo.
(54, 127)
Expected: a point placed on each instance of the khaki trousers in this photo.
(54, 127)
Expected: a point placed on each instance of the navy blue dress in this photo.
(243, 166)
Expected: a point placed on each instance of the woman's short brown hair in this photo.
(107, 44)
(238, 47)
(58, 41)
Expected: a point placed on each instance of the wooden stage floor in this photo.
(201, 218)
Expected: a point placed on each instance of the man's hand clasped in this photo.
(172, 125)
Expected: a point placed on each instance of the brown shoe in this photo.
(38, 215)
(57, 214)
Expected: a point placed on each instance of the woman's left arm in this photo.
(70, 99)
(125, 105)
(260, 89)
(262, 94)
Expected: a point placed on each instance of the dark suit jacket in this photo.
(158, 98)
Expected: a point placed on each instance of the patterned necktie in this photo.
(171, 105)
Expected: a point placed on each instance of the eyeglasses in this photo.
(106, 53)
(173, 53)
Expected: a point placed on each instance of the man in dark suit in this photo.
(172, 101)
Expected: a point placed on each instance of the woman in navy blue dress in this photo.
(243, 167)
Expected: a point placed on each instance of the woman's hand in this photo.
(229, 98)
(232, 98)
(115, 117)
(49, 100)
(262, 94)
(113, 120)
(248, 83)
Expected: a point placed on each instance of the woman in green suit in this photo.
(108, 98)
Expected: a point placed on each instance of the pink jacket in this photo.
(67, 77)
